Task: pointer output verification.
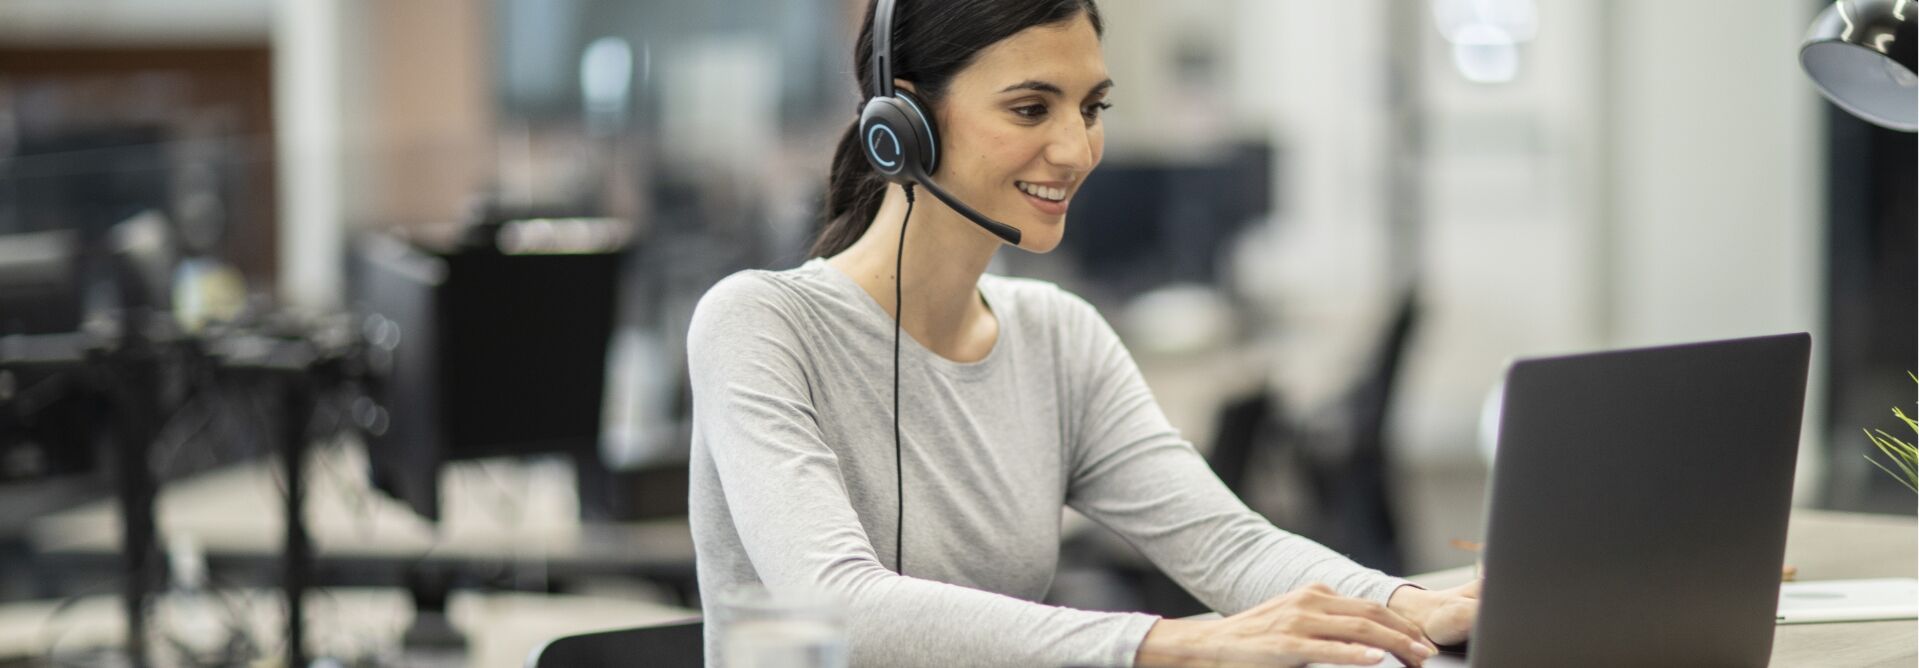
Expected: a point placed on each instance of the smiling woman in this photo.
(1011, 399)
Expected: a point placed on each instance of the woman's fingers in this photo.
(1380, 614)
(1411, 649)
(1299, 651)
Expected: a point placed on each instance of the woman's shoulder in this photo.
(759, 300)
(762, 289)
(739, 296)
(743, 287)
(1040, 301)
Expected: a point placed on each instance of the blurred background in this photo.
(416, 276)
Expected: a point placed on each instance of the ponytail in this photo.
(853, 196)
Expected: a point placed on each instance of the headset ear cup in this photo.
(889, 140)
(921, 117)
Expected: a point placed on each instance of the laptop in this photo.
(1637, 514)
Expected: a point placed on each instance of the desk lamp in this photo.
(1860, 54)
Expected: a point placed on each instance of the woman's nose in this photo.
(1071, 147)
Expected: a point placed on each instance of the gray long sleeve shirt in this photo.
(793, 475)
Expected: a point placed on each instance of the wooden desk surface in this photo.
(1829, 546)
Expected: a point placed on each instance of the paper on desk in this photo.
(1848, 600)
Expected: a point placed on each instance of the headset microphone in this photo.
(999, 229)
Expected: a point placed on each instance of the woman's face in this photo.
(1021, 128)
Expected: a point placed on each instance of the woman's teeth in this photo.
(1043, 192)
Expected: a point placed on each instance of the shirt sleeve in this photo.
(1132, 472)
(782, 483)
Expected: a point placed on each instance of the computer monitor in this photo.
(45, 423)
(497, 353)
(1137, 224)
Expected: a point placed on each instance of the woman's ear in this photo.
(905, 85)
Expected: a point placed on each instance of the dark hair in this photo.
(932, 41)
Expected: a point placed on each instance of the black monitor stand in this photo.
(431, 638)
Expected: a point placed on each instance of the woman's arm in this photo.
(1131, 472)
(782, 485)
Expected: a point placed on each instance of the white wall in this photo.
(310, 119)
(1717, 179)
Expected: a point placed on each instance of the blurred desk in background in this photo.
(348, 623)
(514, 513)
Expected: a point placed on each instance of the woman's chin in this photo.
(1042, 238)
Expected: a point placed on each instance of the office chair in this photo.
(1339, 453)
(671, 645)
(1241, 425)
(1350, 483)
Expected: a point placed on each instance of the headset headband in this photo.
(883, 49)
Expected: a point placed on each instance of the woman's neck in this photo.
(945, 256)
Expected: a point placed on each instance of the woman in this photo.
(1016, 399)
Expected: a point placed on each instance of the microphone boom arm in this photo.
(1005, 232)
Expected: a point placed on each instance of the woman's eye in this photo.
(1092, 111)
(1031, 111)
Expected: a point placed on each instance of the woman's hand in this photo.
(1445, 616)
(1311, 625)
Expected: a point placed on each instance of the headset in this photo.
(903, 146)
(900, 139)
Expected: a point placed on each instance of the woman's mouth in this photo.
(1050, 200)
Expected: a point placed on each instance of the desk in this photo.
(492, 512)
(501, 628)
(1828, 546)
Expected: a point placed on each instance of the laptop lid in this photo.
(1638, 506)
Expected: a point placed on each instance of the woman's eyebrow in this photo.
(1050, 87)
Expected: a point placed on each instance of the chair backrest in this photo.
(1237, 431)
(1371, 398)
(671, 645)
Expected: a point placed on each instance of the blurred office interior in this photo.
(1321, 228)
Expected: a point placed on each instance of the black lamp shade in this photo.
(1860, 55)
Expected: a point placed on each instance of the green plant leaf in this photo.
(1889, 472)
(1895, 476)
(1901, 454)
